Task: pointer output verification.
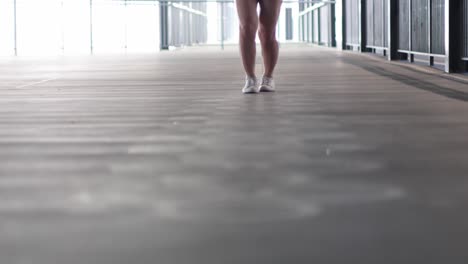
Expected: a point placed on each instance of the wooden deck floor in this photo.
(159, 159)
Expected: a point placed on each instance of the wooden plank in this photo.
(160, 158)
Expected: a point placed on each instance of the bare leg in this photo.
(269, 13)
(248, 24)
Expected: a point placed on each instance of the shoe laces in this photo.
(249, 81)
(267, 81)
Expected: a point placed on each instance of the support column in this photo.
(163, 24)
(429, 31)
(342, 45)
(410, 25)
(311, 27)
(453, 40)
(362, 25)
(332, 28)
(392, 34)
(319, 26)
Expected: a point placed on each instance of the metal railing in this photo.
(317, 23)
(54, 27)
(405, 29)
(185, 24)
(422, 28)
(353, 23)
(377, 24)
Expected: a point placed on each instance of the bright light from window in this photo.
(54, 27)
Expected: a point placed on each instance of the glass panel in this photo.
(420, 26)
(438, 27)
(404, 24)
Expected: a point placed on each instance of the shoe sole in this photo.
(265, 90)
(250, 91)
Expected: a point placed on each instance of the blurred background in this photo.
(71, 27)
(419, 28)
(54, 27)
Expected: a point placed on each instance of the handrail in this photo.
(188, 9)
(311, 8)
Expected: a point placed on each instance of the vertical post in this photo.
(301, 23)
(222, 24)
(305, 27)
(91, 45)
(343, 24)
(453, 41)
(15, 38)
(302, 28)
(332, 27)
(307, 22)
(319, 26)
(447, 36)
(362, 25)
(410, 26)
(311, 26)
(392, 34)
(163, 25)
(373, 24)
(429, 31)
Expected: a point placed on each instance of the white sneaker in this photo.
(250, 85)
(267, 85)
